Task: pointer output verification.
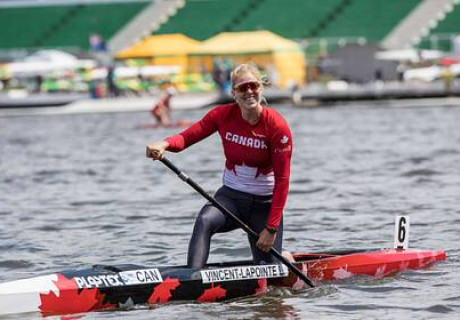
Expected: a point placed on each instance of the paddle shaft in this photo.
(244, 226)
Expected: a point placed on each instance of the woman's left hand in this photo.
(266, 240)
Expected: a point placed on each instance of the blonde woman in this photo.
(257, 144)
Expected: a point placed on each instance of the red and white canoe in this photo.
(121, 286)
(104, 287)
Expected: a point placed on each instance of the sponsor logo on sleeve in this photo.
(124, 278)
(285, 147)
(244, 273)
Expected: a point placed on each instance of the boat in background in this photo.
(21, 103)
(185, 101)
(24, 101)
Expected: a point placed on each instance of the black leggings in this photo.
(251, 209)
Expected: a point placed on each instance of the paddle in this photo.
(244, 226)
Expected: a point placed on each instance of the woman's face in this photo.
(247, 90)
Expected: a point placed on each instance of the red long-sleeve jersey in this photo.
(258, 157)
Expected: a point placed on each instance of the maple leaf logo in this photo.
(162, 292)
(71, 300)
(341, 274)
(404, 265)
(212, 294)
(262, 286)
(284, 140)
(380, 273)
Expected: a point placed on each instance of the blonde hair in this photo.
(245, 68)
(250, 68)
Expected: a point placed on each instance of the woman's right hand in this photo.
(156, 149)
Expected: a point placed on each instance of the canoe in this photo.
(104, 287)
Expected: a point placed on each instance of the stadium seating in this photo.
(63, 26)
(451, 24)
(201, 19)
(26, 27)
(102, 19)
(372, 20)
(71, 25)
(292, 19)
(446, 27)
(295, 19)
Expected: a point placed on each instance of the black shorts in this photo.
(253, 210)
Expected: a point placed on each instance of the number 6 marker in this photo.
(402, 224)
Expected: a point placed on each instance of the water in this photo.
(77, 190)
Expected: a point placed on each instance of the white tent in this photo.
(412, 55)
(44, 62)
(133, 72)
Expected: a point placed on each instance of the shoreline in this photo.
(338, 93)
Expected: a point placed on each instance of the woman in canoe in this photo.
(257, 144)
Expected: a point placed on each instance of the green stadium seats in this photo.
(71, 25)
(103, 19)
(63, 26)
(451, 23)
(201, 19)
(289, 18)
(440, 37)
(371, 19)
(25, 27)
(294, 19)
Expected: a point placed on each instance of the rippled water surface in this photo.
(77, 190)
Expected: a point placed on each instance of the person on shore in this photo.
(112, 88)
(162, 109)
(257, 144)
